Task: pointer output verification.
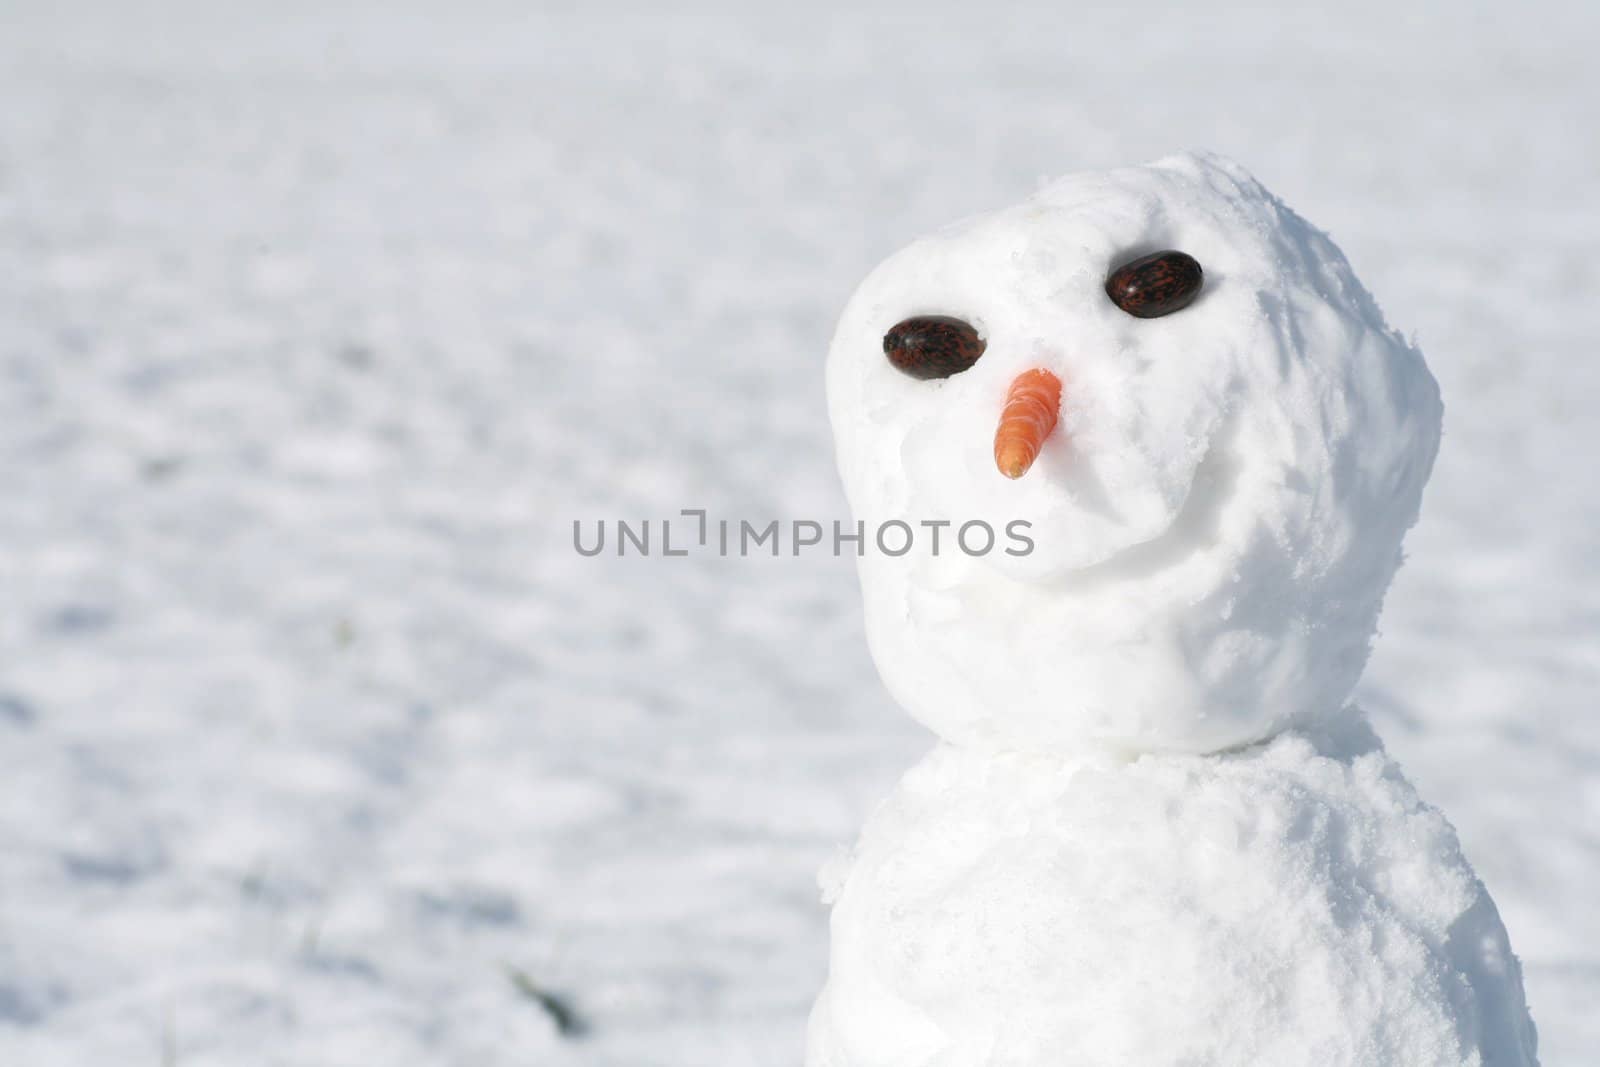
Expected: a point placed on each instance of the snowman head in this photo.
(1217, 499)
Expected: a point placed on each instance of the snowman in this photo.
(1152, 833)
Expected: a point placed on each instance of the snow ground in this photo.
(317, 331)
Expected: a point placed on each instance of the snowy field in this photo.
(319, 744)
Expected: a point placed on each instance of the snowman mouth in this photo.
(1194, 528)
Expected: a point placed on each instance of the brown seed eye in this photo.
(1155, 285)
(933, 346)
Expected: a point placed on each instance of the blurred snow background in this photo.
(319, 325)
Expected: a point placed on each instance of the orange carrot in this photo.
(1033, 404)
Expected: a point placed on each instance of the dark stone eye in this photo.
(1155, 285)
(933, 346)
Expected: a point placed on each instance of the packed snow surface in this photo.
(1276, 905)
(1215, 520)
(320, 323)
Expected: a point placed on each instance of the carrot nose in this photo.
(1033, 404)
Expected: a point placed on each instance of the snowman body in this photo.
(1278, 905)
(1154, 833)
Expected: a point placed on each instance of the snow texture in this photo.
(1216, 519)
(320, 323)
(1276, 905)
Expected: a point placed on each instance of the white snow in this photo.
(1276, 905)
(320, 323)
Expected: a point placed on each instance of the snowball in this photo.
(1280, 905)
(1218, 514)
